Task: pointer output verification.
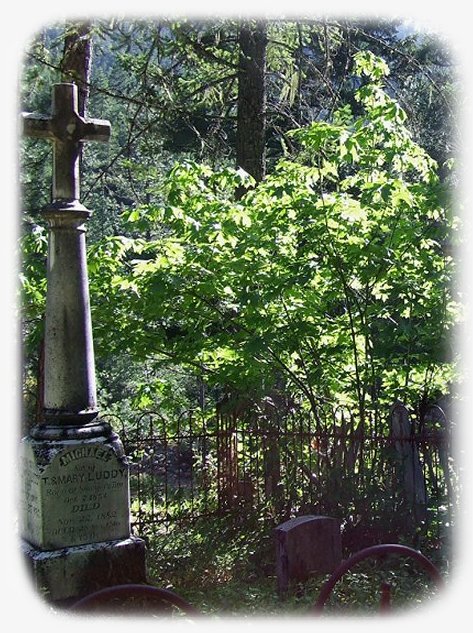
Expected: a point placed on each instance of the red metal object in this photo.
(385, 600)
(377, 551)
(163, 598)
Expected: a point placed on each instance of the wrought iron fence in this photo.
(378, 472)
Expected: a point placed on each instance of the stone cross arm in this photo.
(67, 130)
(40, 126)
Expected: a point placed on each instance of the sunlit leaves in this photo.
(366, 63)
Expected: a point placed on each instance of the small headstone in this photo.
(304, 546)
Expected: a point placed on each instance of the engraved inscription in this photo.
(31, 516)
(82, 496)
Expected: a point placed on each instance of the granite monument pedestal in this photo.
(76, 521)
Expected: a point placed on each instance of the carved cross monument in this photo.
(76, 524)
(69, 358)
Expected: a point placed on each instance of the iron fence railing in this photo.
(290, 464)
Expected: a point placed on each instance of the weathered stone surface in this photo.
(74, 492)
(66, 129)
(69, 371)
(74, 572)
(306, 545)
(408, 459)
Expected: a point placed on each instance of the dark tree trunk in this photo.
(251, 117)
(77, 60)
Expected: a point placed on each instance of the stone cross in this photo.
(69, 370)
(75, 475)
(67, 130)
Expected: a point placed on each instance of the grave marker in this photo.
(75, 504)
(409, 461)
(306, 545)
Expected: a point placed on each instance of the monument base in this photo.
(67, 574)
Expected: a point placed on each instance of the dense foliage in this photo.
(330, 279)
